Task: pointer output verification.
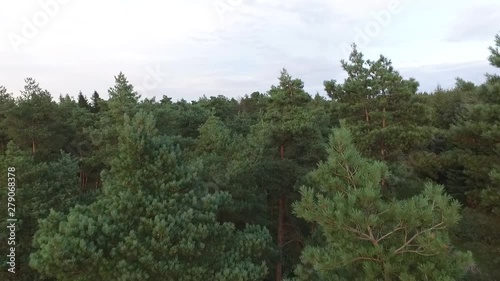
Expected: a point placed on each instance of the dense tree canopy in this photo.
(153, 221)
(373, 180)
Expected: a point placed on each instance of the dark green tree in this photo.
(291, 126)
(154, 221)
(104, 132)
(83, 102)
(41, 187)
(95, 107)
(475, 137)
(34, 123)
(76, 120)
(230, 164)
(7, 103)
(188, 117)
(222, 107)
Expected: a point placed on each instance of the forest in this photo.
(373, 181)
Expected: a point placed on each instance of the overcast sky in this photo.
(186, 49)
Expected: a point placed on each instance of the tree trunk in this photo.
(382, 144)
(281, 230)
(367, 116)
(282, 151)
(33, 146)
(281, 235)
(383, 117)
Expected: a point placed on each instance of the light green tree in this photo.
(362, 236)
(388, 120)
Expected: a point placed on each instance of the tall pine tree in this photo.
(293, 144)
(364, 237)
(475, 137)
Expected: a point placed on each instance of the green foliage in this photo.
(196, 194)
(478, 232)
(475, 138)
(34, 123)
(250, 111)
(229, 165)
(7, 102)
(387, 118)
(291, 132)
(96, 100)
(77, 120)
(104, 132)
(367, 237)
(154, 221)
(494, 58)
(187, 118)
(83, 102)
(41, 187)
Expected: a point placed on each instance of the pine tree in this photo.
(34, 123)
(104, 135)
(364, 237)
(41, 187)
(76, 120)
(292, 145)
(389, 121)
(122, 97)
(221, 106)
(154, 221)
(230, 164)
(387, 118)
(83, 102)
(475, 137)
(7, 102)
(494, 57)
(187, 119)
(95, 107)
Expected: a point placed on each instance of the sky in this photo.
(187, 49)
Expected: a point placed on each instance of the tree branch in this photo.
(355, 260)
(398, 227)
(407, 242)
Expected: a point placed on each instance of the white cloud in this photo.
(88, 42)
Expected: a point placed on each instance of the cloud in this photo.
(89, 42)
(476, 23)
(445, 75)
